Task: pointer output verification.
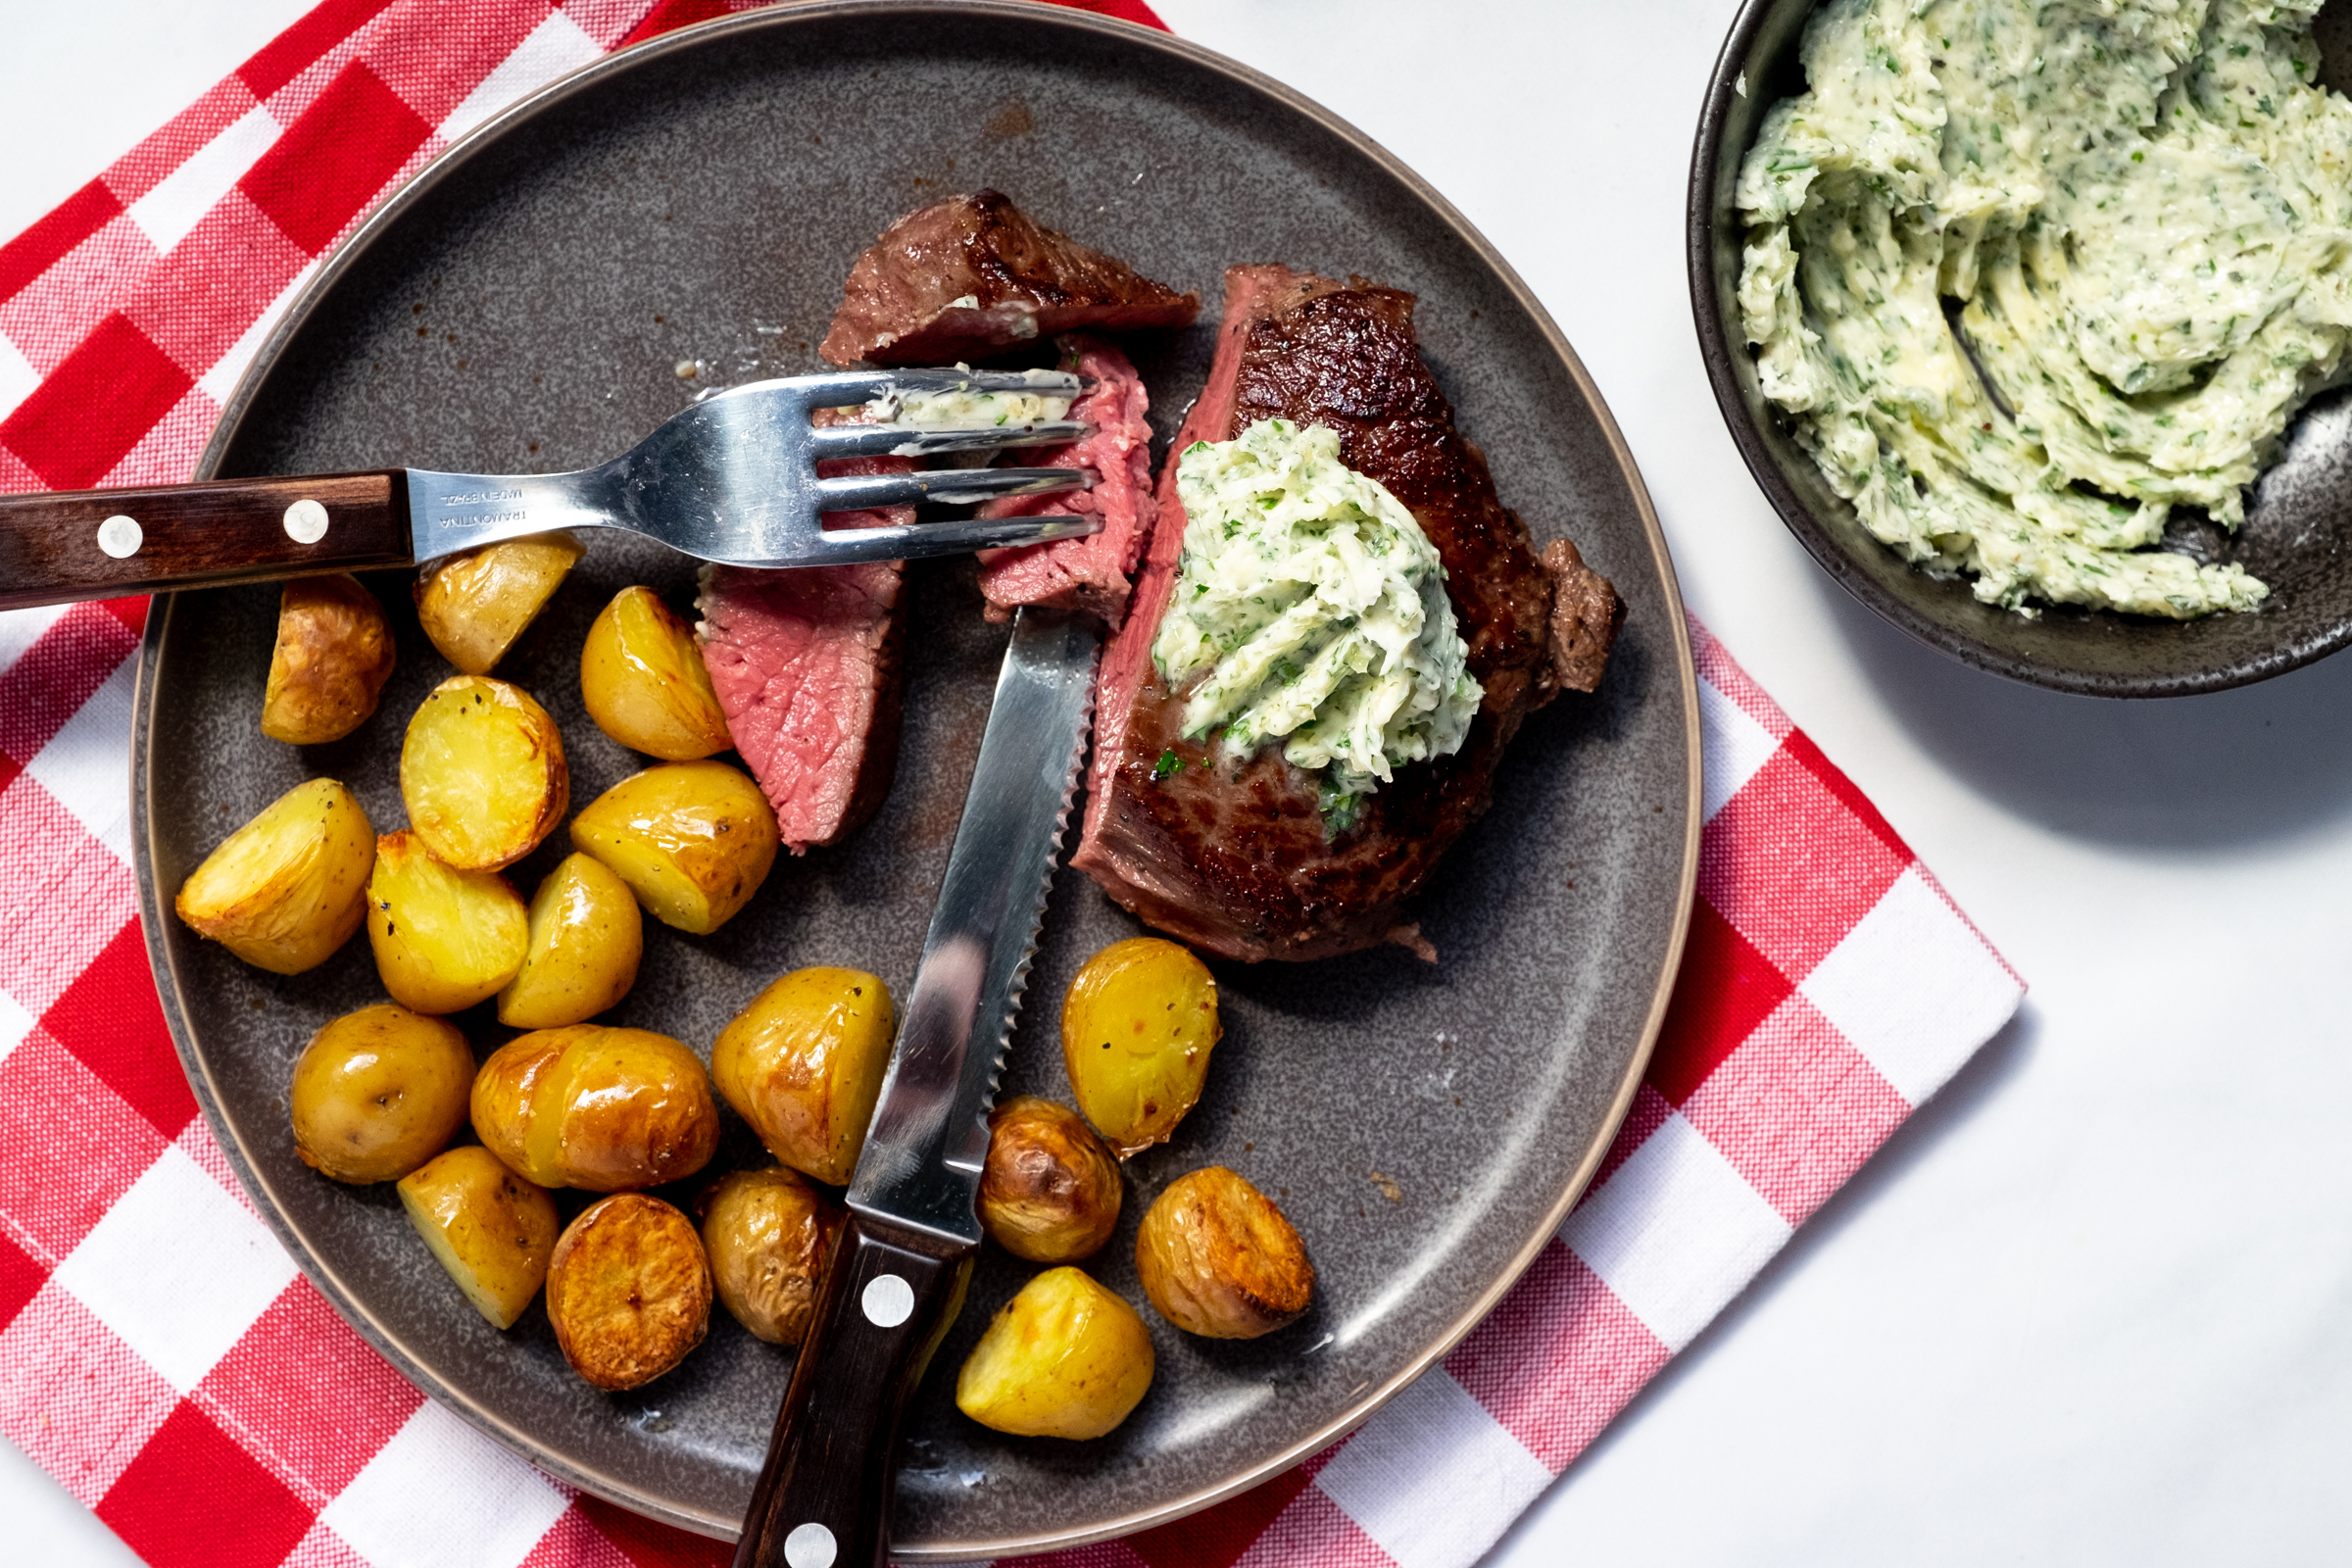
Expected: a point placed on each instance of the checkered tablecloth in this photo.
(161, 1355)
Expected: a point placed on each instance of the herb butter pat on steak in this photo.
(1311, 610)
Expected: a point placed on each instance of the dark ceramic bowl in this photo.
(521, 305)
(2297, 536)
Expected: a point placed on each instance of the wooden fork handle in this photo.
(103, 544)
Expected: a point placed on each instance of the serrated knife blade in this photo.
(899, 1269)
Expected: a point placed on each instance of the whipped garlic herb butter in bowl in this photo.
(2032, 322)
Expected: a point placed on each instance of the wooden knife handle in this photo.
(72, 544)
(823, 1498)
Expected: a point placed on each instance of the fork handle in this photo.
(103, 544)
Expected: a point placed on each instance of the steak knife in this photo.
(899, 1270)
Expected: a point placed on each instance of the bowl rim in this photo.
(1721, 350)
(153, 909)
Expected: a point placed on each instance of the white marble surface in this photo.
(2094, 1304)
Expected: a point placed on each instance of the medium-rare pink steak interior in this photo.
(1089, 573)
(806, 664)
(973, 275)
(1236, 859)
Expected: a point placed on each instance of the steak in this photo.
(806, 664)
(973, 276)
(1088, 573)
(1234, 860)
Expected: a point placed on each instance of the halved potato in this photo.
(333, 655)
(444, 939)
(1065, 1358)
(1137, 1028)
(482, 774)
(642, 677)
(1219, 1259)
(1049, 1191)
(769, 1234)
(377, 1093)
(804, 1063)
(473, 606)
(586, 940)
(492, 1230)
(609, 1109)
(693, 840)
(629, 1290)
(288, 887)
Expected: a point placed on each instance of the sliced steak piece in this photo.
(973, 276)
(1237, 862)
(1088, 573)
(806, 663)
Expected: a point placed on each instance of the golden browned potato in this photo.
(803, 1064)
(492, 1230)
(629, 1290)
(289, 887)
(1049, 1191)
(482, 774)
(609, 1109)
(693, 840)
(377, 1093)
(1218, 1259)
(333, 656)
(768, 1233)
(1065, 1358)
(642, 677)
(1137, 1028)
(473, 606)
(586, 938)
(444, 939)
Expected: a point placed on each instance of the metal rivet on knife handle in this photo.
(812, 1545)
(305, 521)
(121, 537)
(889, 1300)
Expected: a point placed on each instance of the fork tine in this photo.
(902, 441)
(952, 486)
(843, 388)
(842, 546)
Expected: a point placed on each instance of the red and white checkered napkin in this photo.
(161, 1355)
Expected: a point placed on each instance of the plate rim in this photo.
(1722, 355)
(154, 912)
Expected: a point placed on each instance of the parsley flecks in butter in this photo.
(967, 408)
(1310, 609)
(2142, 212)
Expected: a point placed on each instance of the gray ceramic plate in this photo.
(2297, 536)
(522, 306)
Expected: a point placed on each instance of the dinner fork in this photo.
(732, 479)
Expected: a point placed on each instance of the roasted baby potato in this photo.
(609, 1109)
(642, 677)
(768, 1234)
(803, 1064)
(444, 939)
(693, 840)
(1137, 1028)
(1218, 1259)
(1049, 1191)
(492, 1230)
(473, 606)
(289, 887)
(629, 1290)
(377, 1093)
(586, 938)
(482, 774)
(1065, 1358)
(333, 656)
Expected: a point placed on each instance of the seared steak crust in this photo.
(1236, 861)
(973, 275)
